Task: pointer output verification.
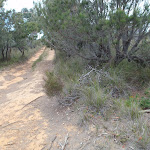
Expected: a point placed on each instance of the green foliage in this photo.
(117, 29)
(145, 103)
(118, 19)
(94, 97)
(18, 30)
(53, 84)
(68, 68)
(133, 74)
(127, 108)
(142, 101)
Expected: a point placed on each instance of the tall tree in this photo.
(96, 30)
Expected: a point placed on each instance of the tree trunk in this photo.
(119, 58)
(3, 55)
(7, 49)
(9, 53)
(22, 52)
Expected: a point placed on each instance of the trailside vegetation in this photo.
(18, 32)
(103, 60)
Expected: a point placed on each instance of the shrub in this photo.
(127, 108)
(70, 69)
(141, 131)
(133, 110)
(145, 103)
(94, 98)
(115, 84)
(133, 74)
(53, 84)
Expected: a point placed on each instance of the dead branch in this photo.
(145, 111)
(30, 102)
(83, 146)
(68, 101)
(66, 142)
(49, 147)
(52, 142)
(10, 124)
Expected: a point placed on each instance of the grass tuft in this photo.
(94, 98)
(53, 84)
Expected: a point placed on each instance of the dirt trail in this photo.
(20, 124)
(29, 120)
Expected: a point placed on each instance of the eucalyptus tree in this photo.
(2, 33)
(25, 29)
(6, 38)
(17, 30)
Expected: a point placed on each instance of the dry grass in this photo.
(53, 84)
(106, 96)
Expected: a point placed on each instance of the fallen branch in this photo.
(49, 147)
(145, 111)
(30, 102)
(83, 146)
(66, 142)
(10, 124)
(52, 142)
(68, 101)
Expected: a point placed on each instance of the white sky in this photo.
(19, 4)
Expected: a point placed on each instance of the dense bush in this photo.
(98, 31)
(53, 84)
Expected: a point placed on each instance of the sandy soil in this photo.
(29, 120)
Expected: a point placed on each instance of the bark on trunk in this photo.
(3, 55)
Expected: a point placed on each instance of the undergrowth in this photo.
(17, 58)
(106, 92)
(133, 74)
(53, 84)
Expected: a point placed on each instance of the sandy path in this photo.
(20, 123)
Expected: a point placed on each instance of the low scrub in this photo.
(127, 109)
(133, 74)
(94, 98)
(53, 84)
(145, 103)
(69, 69)
(108, 93)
